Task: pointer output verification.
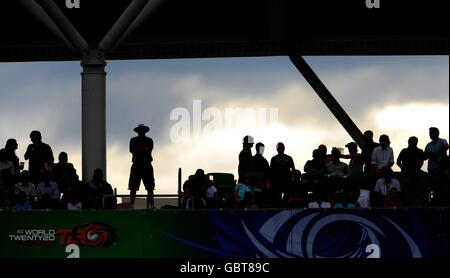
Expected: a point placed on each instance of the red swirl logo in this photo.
(89, 234)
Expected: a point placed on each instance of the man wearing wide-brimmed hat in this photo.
(141, 147)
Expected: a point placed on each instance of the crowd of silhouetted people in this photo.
(367, 180)
(46, 184)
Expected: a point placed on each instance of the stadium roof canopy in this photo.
(234, 28)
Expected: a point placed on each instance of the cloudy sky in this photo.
(398, 96)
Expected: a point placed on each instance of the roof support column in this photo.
(93, 94)
(328, 99)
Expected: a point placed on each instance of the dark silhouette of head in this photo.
(46, 176)
(259, 148)
(247, 142)
(323, 149)
(98, 175)
(141, 130)
(35, 136)
(280, 148)
(317, 154)
(25, 176)
(412, 141)
(368, 135)
(62, 157)
(335, 154)
(384, 141)
(387, 175)
(434, 133)
(200, 172)
(352, 148)
(11, 145)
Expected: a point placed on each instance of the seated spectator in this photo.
(97, 188)
(21, 203)
(394, 199)
(345, 201)
(337, 171)
(295, 186)
(74, 201)
(315, 171)
(410, 160)
(48, 192)
(385, 184)
(211, 197)
(63, 170)
(318, 201)
(251, 185)
(382, 157)
(194, 190)
(24, 185)
(363, 200)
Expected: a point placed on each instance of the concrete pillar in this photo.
(93, 109)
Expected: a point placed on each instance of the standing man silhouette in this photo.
(141, 147)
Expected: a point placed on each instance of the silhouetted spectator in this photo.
(260, 163)
(295, 186)
(355, 166)
(48, 192)
(97, 188)
(251, 185)
(211, 197)
(435, 150)
(281, 166)
(74, 200)
(410, 160)
(366, 152)
(194, 189)
(141, 147)
(363, 200)
(336, 168)
(385, 184)
(246, 163)
(25, 185)
(21, 203)
(75, 187)
(40, 156)
(337, 172)
(10, 154)
(326, 158)
(382, 156)
(315, 171)
(63, 170)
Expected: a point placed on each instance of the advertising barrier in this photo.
(336, 233)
